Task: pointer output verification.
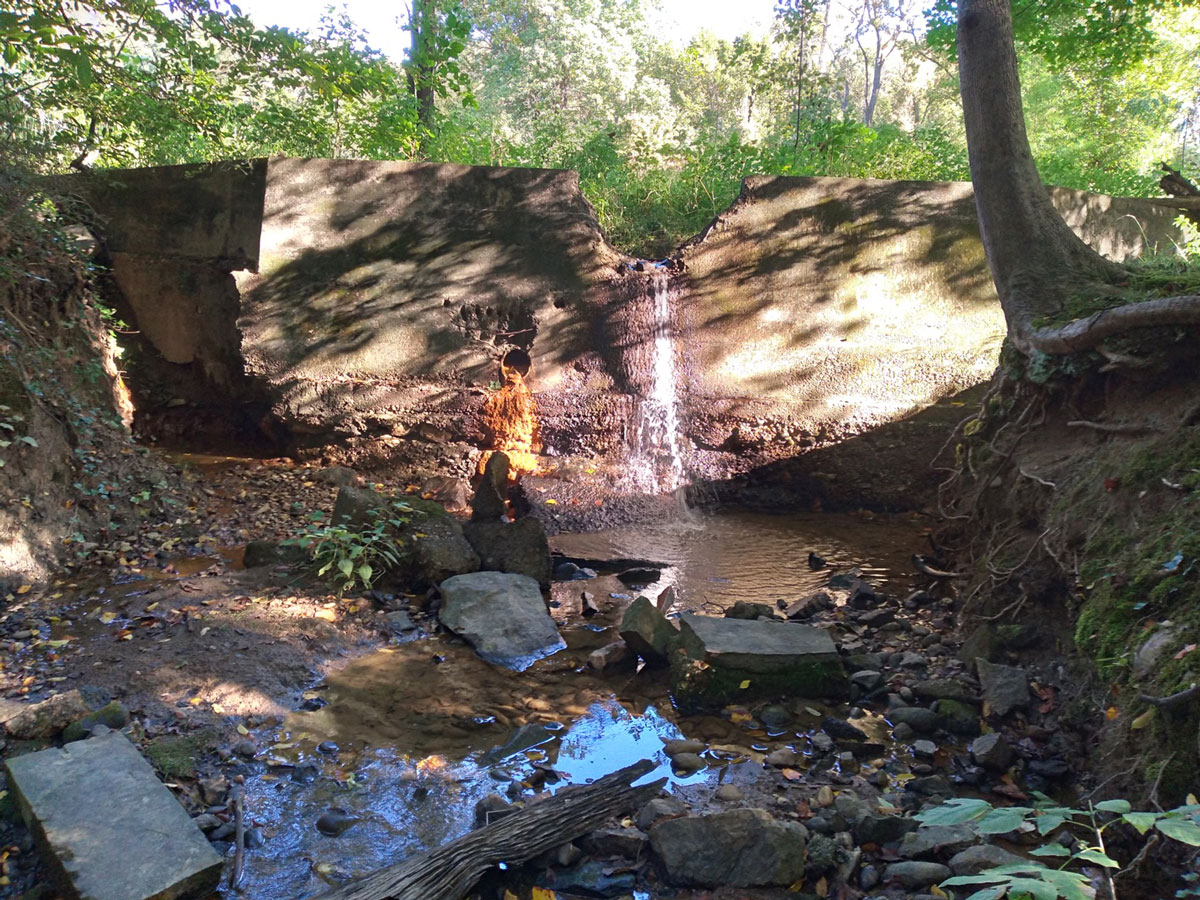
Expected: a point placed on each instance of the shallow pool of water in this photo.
(717, 559)
(425, 730)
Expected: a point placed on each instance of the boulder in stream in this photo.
(519, 547)
(648, 633)
(501, 615)
(740, 848)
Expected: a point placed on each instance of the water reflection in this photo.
(716, 560)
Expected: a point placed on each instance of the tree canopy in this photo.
(660, 132)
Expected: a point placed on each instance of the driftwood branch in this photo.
(449, 871)
(1176, 699)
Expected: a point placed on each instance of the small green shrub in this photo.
(1036, 880)
(352, 556)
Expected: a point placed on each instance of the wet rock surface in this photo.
(851, 774)
(503, 616)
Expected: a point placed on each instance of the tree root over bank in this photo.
(1089, 332)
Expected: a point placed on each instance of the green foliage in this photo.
(1035, 879)
(354, 556)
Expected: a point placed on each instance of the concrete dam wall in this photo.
(371, 310)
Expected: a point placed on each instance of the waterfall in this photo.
(655, 464)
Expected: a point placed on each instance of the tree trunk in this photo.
(420, 74)
(1033, 255)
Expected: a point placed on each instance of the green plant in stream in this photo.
(1042, 882)
(353, 556)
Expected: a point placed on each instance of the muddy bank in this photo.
(363, 310)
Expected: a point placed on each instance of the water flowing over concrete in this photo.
(363, 309)
(656, 464)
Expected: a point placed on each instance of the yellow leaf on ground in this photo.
(937, 891)
(543, 894)
(745, 684)
(1111, 713)
(242, 729)
(551, 502)
(1143, 720)
(107, 617)
(822, 888)
(25, 589)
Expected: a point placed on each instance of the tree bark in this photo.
(420, 74)
(1034, 256)
(448, 872)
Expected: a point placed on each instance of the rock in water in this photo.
(73, 799)
(519, 547)
(742, 659)
(741, 848)
(490, 501)
(502, 616)
(648, 633)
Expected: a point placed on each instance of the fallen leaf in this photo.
(791, 774)
(822, 888)
(243, 730)
(108, 617)
(1111, 713)
(745, 684)
(1185, 651)
(937, 891)
(25, 589)
(1143, 720)
(550, 501)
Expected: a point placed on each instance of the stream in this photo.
(403, 743)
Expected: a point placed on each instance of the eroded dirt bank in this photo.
(365, 309)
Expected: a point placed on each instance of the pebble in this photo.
(867, 679)
(675, 747)
(824, 797)
(729, 793)
(327, 747)
(781, 758)
(903, 732)
(868, 878)
(924, 749)
(687, 762)
(246, 748)
(334, 822)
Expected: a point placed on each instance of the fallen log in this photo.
(449, 871)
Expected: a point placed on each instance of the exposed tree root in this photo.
(1130, 429)
(1088, 332)
(1172, 700)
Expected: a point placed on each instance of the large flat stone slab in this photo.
(739, 659)
(753, 645)
(110, 828)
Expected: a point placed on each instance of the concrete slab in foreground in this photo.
(112, 830)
